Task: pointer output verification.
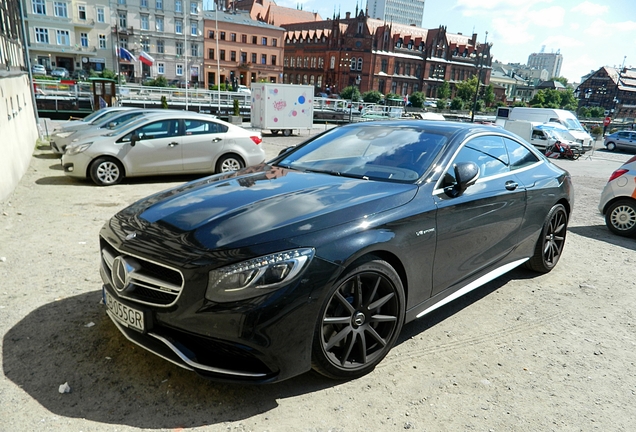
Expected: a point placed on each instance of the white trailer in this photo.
(282, 107)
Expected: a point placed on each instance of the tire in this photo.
(287, 132)
(274, 131)
(106, 171)
(620, 218)
(359, 321)
(229, 163)
(551, 241)
(576, 153)
(610, 146)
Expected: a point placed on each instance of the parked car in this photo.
(38, 69)
(60, 72)
(105, 124)
(244, 89)
(318, 257)
(625, 140)
(618, 200)
(164, 143)
(79, 74)
(89, 119)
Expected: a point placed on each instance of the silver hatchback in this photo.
(621, 140)
(165, 143)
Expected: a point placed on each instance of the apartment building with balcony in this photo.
(241, 50)
(170, 31)
(71, 34)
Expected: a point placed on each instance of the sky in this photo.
(589, 34)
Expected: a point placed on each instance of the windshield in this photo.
(572, 124)
(125, 125)
(369, 151)
(103, 120)
(95, 114)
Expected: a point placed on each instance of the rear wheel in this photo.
(611, 146)
(620, 218)
(287, 132)
(229, 163)
(106, 171)
(359, 322)
(576, 153)
(275, 131)
(550, 245)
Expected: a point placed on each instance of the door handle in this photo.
(511, 185)
(173, 144)
(216, 140)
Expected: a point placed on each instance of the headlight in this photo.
(257, 276)
(64, 134)
(71, 150)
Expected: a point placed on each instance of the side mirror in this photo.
(133, 139)
(466, 174)
(112, 125)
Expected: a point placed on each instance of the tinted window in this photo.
(519, 155)
(488, 152)
(158, 129)
(198, 127)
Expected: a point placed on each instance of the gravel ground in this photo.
(523, 353)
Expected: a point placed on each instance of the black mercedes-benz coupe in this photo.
(317, 258)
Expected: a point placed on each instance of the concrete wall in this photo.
(18, 131)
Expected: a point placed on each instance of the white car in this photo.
(89, 119)
(618, 200)
(38, 69)
(164, 143)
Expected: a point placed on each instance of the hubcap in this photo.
(555, 238)
(360, 320)
(230, 165)
(108, 172)
(623, 218)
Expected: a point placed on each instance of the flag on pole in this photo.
(124, 54)
(146, 59)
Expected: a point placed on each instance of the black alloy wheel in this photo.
(360, 321)
(551, 242)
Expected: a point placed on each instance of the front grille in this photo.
(140, 280)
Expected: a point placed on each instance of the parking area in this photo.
(523, 353)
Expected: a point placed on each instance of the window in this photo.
(233, 56)
(159, 23)
(263, 58)
(161, 46)
(210, 53)
(210, 34)
(60, 9)
(233, 37)
(254, 39)
(145, 22)
(285, 61)
(63, 37)
(145, 45)
(194, 8)
(244, 38)
(123, 21)
(158, 129)
(332, 62)
(121, 2)
(385, 65)
(199, 127)
(123, 42)
(81, 12)
(194, 28)
(352, 64)
(292, 62)
(84, 40)
(520, 156)
(144, 3)
(194, 50)
(359, 63)
(321, 62)
(274, 60)
(253, 57)
(177, 6)
(159, 4)
(179, 48)
(100, 15)
(39, 7)
(488, 152)
(178, 26)
(264, 41)
(222, 36)
(274, 42)
(179, 70)
(102, 41)
(161, 68)
(41, 35)
(243, 57)
(222, 55)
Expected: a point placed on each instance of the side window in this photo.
(519, 155)
(488, 152)
(537, 134)
(158, 129)
(199, 127)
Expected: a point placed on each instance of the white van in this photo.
(542, 135)
(547, 115)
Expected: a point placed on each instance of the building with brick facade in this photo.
(612, 89)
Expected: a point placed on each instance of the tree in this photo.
(391, 96)
(457, 104)
(372, 96)
(444, 90)
(351, 93)
(552, 98)
(417, 99)
(489, 95)
(164, 102)
(466, 89)
(107, 73)
(562, 80)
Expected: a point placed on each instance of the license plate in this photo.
(125, 315)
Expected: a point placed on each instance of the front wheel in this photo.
(576, 153)
(620, 218)
(229, 163)
(610, 146)
(287, 132)
(106, 171)
(359, 322)
(550, 245)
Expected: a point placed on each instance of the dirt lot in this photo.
(523, 353)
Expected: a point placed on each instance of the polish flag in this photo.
(146, 59)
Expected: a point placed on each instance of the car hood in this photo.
(266, 204)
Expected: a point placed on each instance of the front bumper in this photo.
(75, 165)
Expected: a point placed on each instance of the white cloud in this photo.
(590, 9)
(551, 17)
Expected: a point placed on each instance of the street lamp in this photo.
(479, 60)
